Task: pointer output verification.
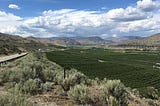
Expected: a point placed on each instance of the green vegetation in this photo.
(34, 75)
(110, 93)
(134, 69)
(30, 74)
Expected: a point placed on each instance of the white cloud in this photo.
(128, 14)
(14, 6)
(8, 29)
(132, 20)
(9, 22)
(8, 17)
(147, 5)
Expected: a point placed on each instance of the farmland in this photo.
(133, 68)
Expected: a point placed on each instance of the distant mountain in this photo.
(121, 39)
(14, 44)
(77, 40)
(65, 41)
(90, 40)
(60, 41)
(74, 41)
(45, 41)
(151, 42)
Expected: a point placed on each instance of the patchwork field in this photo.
(135, 69)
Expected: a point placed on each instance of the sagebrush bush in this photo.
(115, 89)
(24, 73)
(4, 76)
(48, 86)
(50, 75)
(112, 101)
(30, 86)
(73, 79)
(28, 68)
(79, 93)
(152, 102)
(14, 98)
(150, 92)
(112, 93)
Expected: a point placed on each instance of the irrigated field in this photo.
(134, 69)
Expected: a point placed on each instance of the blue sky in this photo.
(104, 18)
(34, 7)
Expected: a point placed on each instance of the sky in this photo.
(71, 18)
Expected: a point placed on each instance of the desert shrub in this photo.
(48, 86)
(95, 97)
(15, 75)
(103, 94)
(112, 101)
(38, 70)
(149, 92)
(33, 70)
(134, 91)
(27, 73)
(23, 73)
(30, 86)
(30, 67)
(4, 76)
(73, 79)
(112, 93)
(14, 98)
(96, 81)
(49, 75)
(115, 89)
(79, 93)
(152, 102)
(3, 100)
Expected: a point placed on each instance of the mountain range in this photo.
(13, 43)
(151, 42)
(77, 41)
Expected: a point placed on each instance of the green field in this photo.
(134, 69)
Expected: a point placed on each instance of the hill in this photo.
(153, 40)
(65, 41)
(73, 41)
(77, 41)
(148, 43)
(15, 44)
(60, 41)
(118, 40)
(91, 40)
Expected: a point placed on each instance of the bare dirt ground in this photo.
(52, 98)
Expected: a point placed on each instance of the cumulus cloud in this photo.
(143, 10)
(147, 5)
(128, 14)
(8, 17)
(14, 6)
(9, 22)
(141, 19)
